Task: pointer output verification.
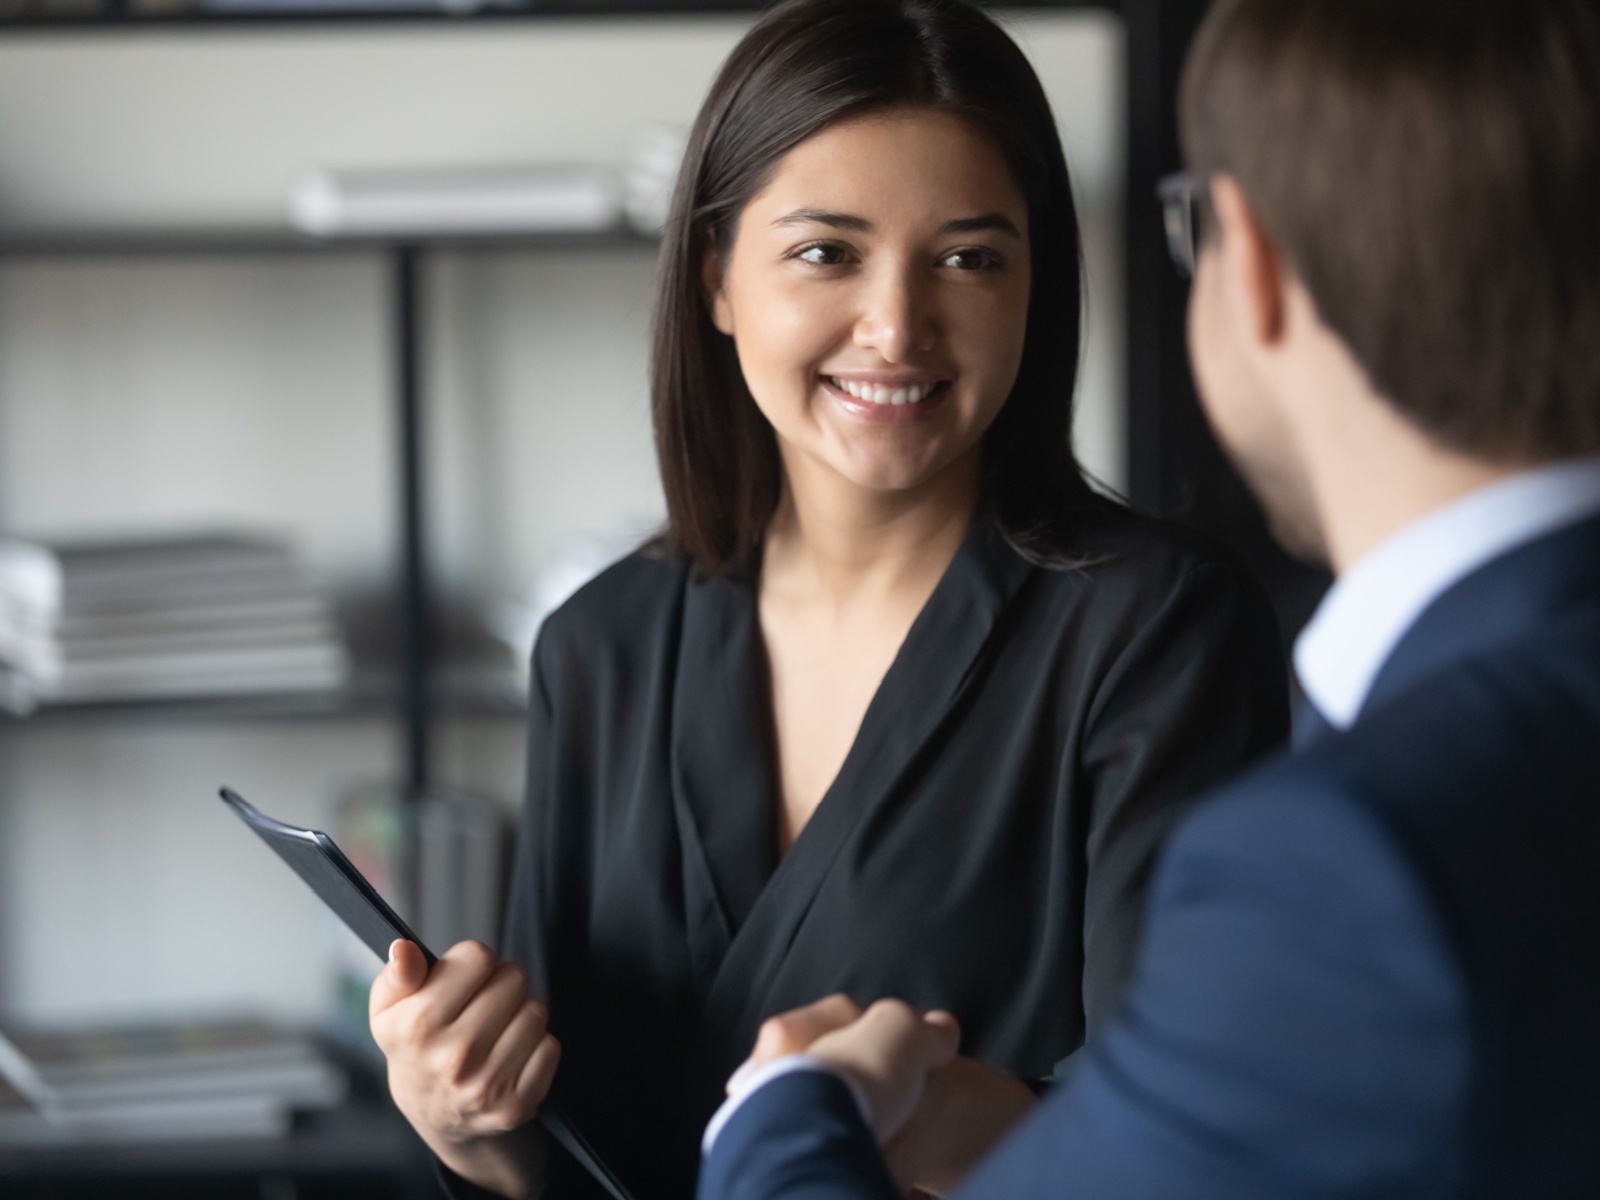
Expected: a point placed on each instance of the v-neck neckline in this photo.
(743, 902)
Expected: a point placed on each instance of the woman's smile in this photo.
(886, 400)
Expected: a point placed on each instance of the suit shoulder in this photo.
(1300, 834)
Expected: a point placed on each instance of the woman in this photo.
(898, 707)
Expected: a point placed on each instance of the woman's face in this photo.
(877, 292)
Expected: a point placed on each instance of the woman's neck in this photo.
(833, 542)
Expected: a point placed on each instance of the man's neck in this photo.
(1371, 471)
(1366, 502)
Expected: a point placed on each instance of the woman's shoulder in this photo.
(1112, 545)
(1133, 569)
(628, 603)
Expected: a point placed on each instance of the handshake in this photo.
(470, 1061)
(934, 1112)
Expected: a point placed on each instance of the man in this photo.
(1371, 967)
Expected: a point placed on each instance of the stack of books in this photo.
(188, 1082)
(30, 602)
(175, 618)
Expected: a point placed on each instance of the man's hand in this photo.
(470, 1060)
(886, 1051)
(962, 1109)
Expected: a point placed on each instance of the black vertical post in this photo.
(1160, 395)
(1175, 467)
(415, 630)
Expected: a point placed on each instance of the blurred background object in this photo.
(426, 380)
(420, 202)
(186, 617)
(173, 1082)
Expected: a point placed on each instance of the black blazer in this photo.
(984, 849)
(1372, 968)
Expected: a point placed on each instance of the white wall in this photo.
(143, 395)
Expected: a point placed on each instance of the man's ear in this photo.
(711, 279)
(1254, 277)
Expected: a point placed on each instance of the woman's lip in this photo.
(867, 410)
(888, 381)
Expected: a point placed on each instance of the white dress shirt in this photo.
(1374, 603)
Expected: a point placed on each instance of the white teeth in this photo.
(911, 394)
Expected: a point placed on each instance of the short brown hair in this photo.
(806, 65)
(1431, 168)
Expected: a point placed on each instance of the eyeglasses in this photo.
(1182, 196)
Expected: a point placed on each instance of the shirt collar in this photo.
(1374, 603)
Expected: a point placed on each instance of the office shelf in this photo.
(363, 700)
(1174, 465)
(122, 19)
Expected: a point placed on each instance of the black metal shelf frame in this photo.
(1173, 466)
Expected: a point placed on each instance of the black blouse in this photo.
(984, 848)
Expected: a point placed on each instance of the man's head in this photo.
(1407, 194)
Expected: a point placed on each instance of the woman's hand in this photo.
(470, 1061)
(967, 1108)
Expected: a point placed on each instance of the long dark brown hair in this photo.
(807, 65)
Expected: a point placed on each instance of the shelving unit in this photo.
(413, 694)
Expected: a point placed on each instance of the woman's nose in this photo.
(896, 319)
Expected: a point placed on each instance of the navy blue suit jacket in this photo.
(1371, 968)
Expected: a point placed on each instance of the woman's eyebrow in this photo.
(818, 216)
(989, 222)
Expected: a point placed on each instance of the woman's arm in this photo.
(1198, 692)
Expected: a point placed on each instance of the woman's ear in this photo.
(712, 280)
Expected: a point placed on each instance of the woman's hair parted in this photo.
(805, 66)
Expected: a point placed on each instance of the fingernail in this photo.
(392, 945)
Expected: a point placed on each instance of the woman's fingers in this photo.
(405, 972)
(484, 1019)
(522, 1035)
(793, 1032)
(533, 1085)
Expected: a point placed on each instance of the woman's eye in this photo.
(822, 254)
(976, 258)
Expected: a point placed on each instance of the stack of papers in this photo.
(160, 1083)
(175, 618)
